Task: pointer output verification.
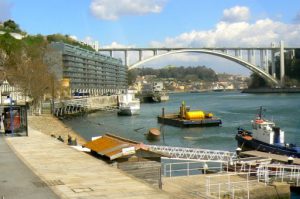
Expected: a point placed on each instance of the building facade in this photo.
(89, 72)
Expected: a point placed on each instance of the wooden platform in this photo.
(275, 157)
(174, 120)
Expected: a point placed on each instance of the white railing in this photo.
(273, 172)
(231, 183)
(228, 184)
(189, 168)
(203, 155)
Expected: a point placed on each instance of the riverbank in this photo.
(52, 126)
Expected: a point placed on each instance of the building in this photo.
(89, 72)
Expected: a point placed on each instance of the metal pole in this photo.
(53, 104)
(11, 117)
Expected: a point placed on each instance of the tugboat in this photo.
(266, 137)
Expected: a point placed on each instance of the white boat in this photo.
(129, 105)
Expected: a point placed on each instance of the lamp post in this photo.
(11, 115)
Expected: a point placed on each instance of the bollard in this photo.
(238, 152)
(290, 160)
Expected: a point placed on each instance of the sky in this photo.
(164, 23)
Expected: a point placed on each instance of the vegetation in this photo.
(292, 72)
(23, 63)
(68, 40)
(11, 26)
(183, 73)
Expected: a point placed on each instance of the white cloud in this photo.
(5, 8)
(113, 9)
(73, 37)
(239, 34)
(117, 45)
(236, 14)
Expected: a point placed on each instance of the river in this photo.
(234, 108)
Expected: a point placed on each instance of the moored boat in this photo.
(267, 137)
(129, 105)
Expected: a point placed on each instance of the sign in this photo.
(128, 151)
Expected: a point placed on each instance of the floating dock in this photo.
(175, 120)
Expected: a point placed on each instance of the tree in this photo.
(11, 26)
(257, 81)
(27, 67)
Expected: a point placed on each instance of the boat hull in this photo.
(254, 144)
(128, 112)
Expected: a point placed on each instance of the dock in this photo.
(274, 157)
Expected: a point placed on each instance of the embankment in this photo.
(50, 125)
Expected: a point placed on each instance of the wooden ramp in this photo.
(276, 157)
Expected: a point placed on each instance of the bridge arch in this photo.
(244, 63)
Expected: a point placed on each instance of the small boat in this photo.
(153, 134)
(266, 137)
(129, 105)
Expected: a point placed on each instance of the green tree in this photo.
(11, 26)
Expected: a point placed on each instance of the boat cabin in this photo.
(266, 131)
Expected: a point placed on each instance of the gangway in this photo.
(195, 154)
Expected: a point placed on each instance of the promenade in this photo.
(74, 174)
(16, 179)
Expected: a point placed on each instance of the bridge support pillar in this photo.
(126, 58)
(140, 55)
(282, 69)
(273, 72)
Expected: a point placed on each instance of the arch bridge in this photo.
(255, 59)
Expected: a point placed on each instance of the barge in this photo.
(187, 118)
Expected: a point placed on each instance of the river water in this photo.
(234, 108)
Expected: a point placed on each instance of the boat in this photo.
(218, 88)
(153, 134)
(129, 105)
(266, 137)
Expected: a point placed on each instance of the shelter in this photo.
(130, 156)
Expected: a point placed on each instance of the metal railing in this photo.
(189, 168)
(203, 155)
(228, 184)
(282, 173)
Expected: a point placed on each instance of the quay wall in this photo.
(95, 103)
(272, 90)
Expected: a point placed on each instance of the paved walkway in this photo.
(74, 174)
(16, 179)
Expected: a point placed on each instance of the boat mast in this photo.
(260, 112)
